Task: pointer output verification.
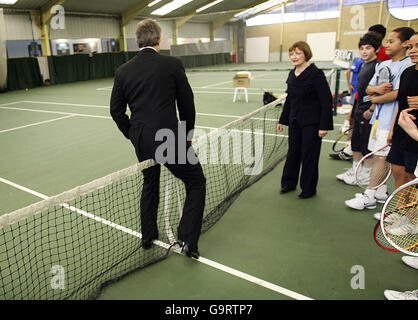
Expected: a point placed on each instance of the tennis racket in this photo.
(381, 240)
(399, 219)
(380, 172)
(384, 75)
(342, 141)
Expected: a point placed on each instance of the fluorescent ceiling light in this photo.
(261, 7)
(243, 12)
(8, 1)
(151, 4)
(171, 6)
(209, 5)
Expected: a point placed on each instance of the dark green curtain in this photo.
(23, 73)
(205, 60)
(81, 67)
(71, 68)
(104, 65)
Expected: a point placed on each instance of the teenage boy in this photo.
(385, 97)
(368, 46)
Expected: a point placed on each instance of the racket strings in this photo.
(400, 220)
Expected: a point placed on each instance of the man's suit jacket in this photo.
(150, 84)
(309, 100)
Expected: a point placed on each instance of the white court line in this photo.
(201, 259)
(67, 104)
(107, 107)
(10, 103)
(36, 123)
(230, 81)
(57, 112)
(230, 93)
(104, 117)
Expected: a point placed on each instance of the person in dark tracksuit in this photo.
(308, 114)
(151, 84)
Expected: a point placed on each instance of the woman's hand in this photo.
(413, 102)
(322, 133)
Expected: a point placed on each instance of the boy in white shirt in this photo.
(385, 97)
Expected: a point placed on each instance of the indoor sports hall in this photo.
(70, 182)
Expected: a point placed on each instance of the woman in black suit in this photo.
(308, 113)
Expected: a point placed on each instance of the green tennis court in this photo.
(267, 246)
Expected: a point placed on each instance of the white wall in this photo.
(79, 27)
(322, 45)
(19, 27)
(257, 49)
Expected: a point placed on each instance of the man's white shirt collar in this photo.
(148, 48)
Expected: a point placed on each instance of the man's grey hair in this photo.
(148, 32)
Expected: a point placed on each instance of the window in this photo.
(403, 9)
(299, 10)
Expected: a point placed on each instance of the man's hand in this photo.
(280, 127)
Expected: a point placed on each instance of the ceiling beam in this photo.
(190, 14)
(223, 19)
(131, 13)
(277, 6)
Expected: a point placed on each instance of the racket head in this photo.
(384, 75)
(342, 141)
(381, 174)
(399, 219)
(381, 240)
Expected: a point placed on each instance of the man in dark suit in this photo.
(150, 84)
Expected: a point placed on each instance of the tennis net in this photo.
(72, 245)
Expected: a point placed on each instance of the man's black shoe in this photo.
(284, 190)
(147, 244)
(190, 252)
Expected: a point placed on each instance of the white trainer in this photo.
(379, 198)
(404, 227)
(391, 219)
(350, 179)
(382, 194)
(361, 203)
(363, 180)
(349, 172)
(411, 261)
(397, 295)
